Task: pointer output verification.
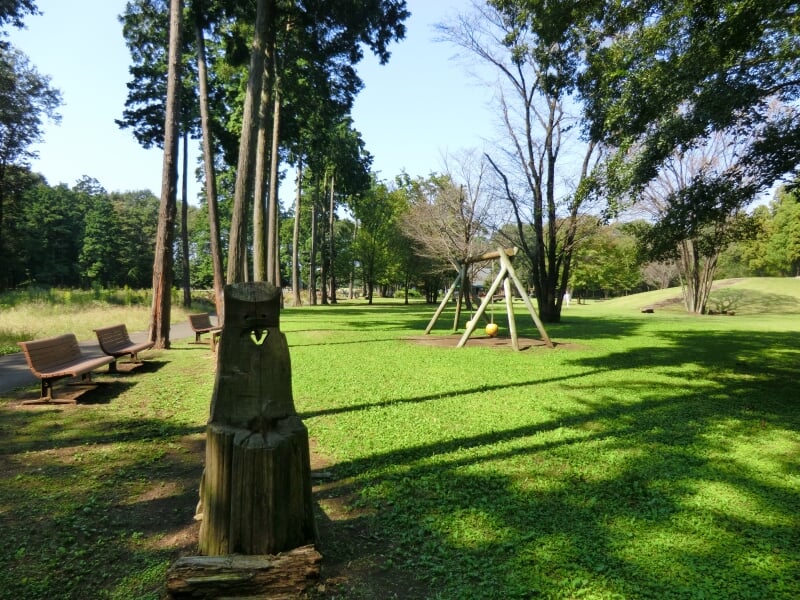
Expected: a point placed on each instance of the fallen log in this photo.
(285, 576)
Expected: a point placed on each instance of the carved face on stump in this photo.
(253, 387)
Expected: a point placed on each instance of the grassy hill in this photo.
(747, 296)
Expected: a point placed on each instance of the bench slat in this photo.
(51, 354)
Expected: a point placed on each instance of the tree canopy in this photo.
(661, 75)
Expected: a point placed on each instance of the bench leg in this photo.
(112, 366)
(47, 396)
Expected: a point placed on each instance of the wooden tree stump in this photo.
(255, 495)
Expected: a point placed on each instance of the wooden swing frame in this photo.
(505, 275)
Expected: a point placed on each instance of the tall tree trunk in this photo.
(332, 247)
(312, 261)
(211, 177)
(260, 218)
(353, 262)
(322, 229)
(273, 231)
(296, 237)
(237, 252)
(187, 291)
(4, 280)
(163, 262)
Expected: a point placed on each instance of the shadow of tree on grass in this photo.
(653, 491)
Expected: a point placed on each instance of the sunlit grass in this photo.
(646, 456)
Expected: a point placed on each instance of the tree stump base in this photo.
(256, 491)
(284, 576)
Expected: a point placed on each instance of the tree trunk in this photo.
(322, 232)
(4, 280)
(260, 219)
(312, 261)
(211, 178)
(332, 247)
(256, 489)
(163, 261)
(237, 252)
(697, 276)
(187, 290)
(273, 241)
(296, 237)
(353, 262)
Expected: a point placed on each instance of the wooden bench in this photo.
(58, 357)
(201, 323)
(116, 342)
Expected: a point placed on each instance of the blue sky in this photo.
(418, 106)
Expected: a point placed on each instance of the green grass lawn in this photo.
(646, 456)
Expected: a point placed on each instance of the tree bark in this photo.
(260, 218)
(187, 291)
(284, 576)
(237, 252)
(296, 237)
(211, 177)
(162, 264)
(312, 261)
(273, 230)
(322, 229)
(332, 241)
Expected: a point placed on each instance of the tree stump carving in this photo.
(255, 494)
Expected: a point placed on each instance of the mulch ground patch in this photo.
(484, 341)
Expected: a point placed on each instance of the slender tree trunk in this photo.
(332, 241)
(312, 262)
(322, 229)
(5, 279)
(296, 237)
(211, 177)
(237, 253)
(260, 219)
(163, 262)
(187, 290)
(353, 262)
(273, 231)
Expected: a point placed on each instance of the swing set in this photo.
(505, 275)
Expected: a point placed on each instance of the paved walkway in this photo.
(14, 372)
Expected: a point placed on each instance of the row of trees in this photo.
(410, 235)
(682, 109)
(262, 84)
(77, 237)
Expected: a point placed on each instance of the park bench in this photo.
(116, 342)
(201, 323)
(59, 357)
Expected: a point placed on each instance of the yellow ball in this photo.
(491, 329)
